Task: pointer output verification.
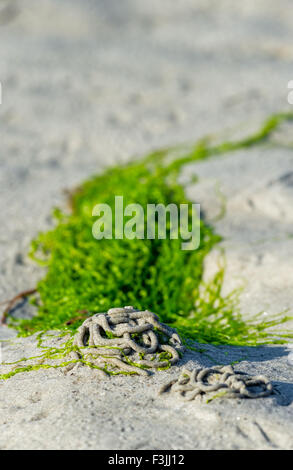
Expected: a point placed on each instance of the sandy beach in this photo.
(87, 84)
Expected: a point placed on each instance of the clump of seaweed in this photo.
(218, 381)
(85, 276)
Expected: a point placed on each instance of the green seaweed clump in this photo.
(85, 276)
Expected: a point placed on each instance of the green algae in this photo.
(51, 353)
(217, 395)
(91, 276)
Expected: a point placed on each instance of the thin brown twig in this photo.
(79, 317)
(13, 301)
(70, 193)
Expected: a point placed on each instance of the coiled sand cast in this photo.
(127, 339)
(218, 381)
